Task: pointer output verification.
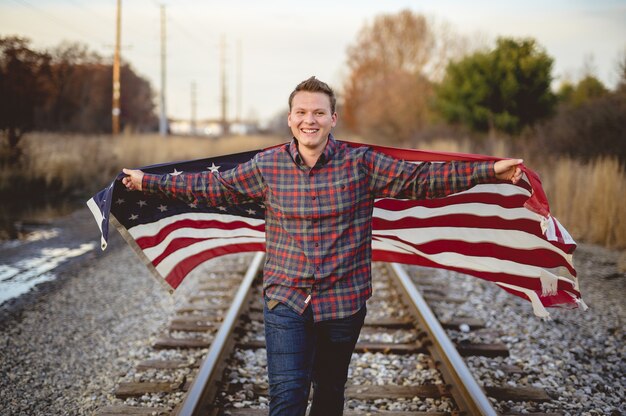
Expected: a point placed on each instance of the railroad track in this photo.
(212, 359)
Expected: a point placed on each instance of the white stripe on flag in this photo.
(505, 238)
(95, 211)
(538, 307)
(472, 208)
(501, 189)
(148, 230)
(475, 263)
(202, 233)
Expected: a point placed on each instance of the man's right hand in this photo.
(133, 180)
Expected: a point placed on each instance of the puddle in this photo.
(20, 277)
(36, 235)
(23, 221)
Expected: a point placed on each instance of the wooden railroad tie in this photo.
(133, 411)
(483, 350)
(133, 389)
(192, 323)
(203, 307)
(170, 342)
(263, 412)
(166, 364)
(366, 392)
(429, 296)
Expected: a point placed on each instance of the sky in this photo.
(284, 42)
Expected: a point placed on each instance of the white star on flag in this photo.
(193, 205)
(251, 211)
(175, 173)
(120, 201)
(213, 168)
(133, 217)
(222, 208)
(162, 208)
(142, 203)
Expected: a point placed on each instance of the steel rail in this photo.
(204, 388)
(466, 392)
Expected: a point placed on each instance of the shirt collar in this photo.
(327, 154)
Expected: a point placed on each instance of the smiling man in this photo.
(311, 117)
(319, 196)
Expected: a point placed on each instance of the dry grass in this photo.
(588, 199)
(70, 162)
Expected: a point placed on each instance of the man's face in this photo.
(311, 119)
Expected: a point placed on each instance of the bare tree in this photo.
(391, 65)
(23, 77)
(80, 88)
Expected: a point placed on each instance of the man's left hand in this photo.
(508, 169)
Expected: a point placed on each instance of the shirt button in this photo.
(317, 245)
(313, 198)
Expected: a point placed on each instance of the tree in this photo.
(67, 84)
(593, 128)
(137, 102)
(621, 71)
(591, 122)
(565, 92)
(505, 89)
(391, 65)
(24, 74)
(81, 94)
(587, 88)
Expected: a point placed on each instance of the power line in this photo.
(184, 31)
(86, 9)
(60, 22)
(173, 23)
(97, 16)
(105, 44)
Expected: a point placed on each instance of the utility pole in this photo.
(225, 128)
(239, 91)
(115, 111)
(193, 109)
(163, 117)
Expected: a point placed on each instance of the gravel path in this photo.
(63, 353)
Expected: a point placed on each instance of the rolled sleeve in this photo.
(484, 172)
(150, 182)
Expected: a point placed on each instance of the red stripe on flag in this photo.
(504, 201)
(162, 233)
(178, 273)
(537, 257)
(521, 281)
(481, 224)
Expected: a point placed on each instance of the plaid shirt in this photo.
(318, 221)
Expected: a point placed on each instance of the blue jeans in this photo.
(300, 351)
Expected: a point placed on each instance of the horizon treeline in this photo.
(66, 89)
(409, 79)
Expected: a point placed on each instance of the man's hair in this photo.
(315, 85)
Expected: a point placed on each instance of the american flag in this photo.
(500, 232)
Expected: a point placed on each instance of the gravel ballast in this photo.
(577, 356)
(66, 348)
(63, 353)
